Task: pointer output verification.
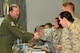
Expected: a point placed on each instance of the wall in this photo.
(41, 11)
(77, 7)
(1, 19)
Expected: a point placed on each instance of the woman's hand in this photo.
(59, 47)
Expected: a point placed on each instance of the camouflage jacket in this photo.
(71, 38)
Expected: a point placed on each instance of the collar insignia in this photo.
(12, 24)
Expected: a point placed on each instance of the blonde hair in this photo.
(70, 4)
(38, 28)
(12, 5)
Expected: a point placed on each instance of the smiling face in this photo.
(56, 25)
(15, 12)
(66, 19)
(62, 21)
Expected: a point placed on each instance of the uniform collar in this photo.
(9, 16)
(14, 20)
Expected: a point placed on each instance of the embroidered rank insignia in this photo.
(12, 24)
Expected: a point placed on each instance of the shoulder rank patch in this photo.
(12, 24)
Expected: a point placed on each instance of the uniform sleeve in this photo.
(75, 31)
(66, 41)
(18, 32)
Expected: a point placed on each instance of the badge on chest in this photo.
(12, 24)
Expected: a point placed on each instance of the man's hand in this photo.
(36, 35)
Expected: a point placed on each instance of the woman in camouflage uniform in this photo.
(71, 33)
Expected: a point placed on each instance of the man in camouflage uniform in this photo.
(71, 33)
(10, 31)
(70, 7)
(54, 36)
